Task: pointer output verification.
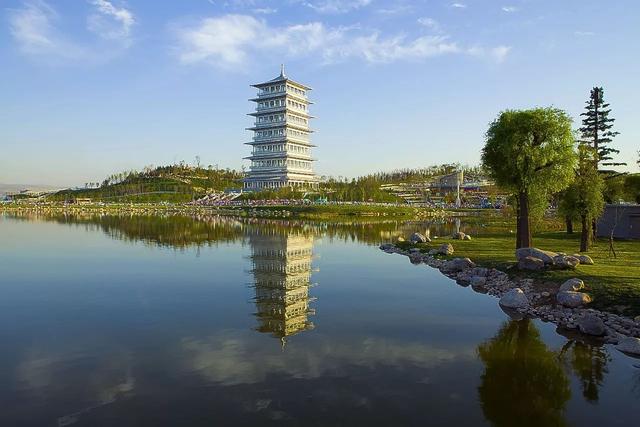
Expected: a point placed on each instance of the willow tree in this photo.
(530, 153)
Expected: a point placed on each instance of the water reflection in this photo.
(523, 380)
(281, 261)
(589, 362)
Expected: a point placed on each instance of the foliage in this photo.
(530, 153)
(583, 199)
(597, 128)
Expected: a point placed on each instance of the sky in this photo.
(93, 87)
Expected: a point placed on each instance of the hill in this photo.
(174, 183)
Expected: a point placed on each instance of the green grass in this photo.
(614, 283)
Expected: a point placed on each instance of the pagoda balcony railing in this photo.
(279, 138)
(267, 93)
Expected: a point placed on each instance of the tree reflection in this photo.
(589, 363)
(523, 382)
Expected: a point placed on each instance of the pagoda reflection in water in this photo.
(282, 277)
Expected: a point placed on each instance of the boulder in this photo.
(459, 264)
(573, 299)
(584, 259)
(545, 256)
(458, 235)
(446, 249)
(418, 238)
(530, 263)
(414, 250)
(514, 298)
(478, 281)
(467, 237)
(629, 345)
(591, 324)
(574, 284)
(566, 262)
(400, 239)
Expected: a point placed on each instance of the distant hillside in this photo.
(175, 183)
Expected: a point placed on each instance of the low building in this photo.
(620, 221)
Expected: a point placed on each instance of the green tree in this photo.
(583, 199)
(597, 129)
(530, 153)
(523, 381)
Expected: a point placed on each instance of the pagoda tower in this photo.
(281, 146)
(281, 266)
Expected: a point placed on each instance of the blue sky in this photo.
(91, 87)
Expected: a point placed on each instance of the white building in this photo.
(281, 154)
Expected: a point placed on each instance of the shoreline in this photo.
(539, 304)
(258, 210)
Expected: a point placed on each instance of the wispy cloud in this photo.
(337, 6)
(430, 23)
(110, 22)
(229, 41)
(264, 10)
(584, 33)
(35, 29)
(509, 9)
(459, 5)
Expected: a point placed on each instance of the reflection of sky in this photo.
(91, 322)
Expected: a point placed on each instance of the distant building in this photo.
(622, 220)
(281, 146)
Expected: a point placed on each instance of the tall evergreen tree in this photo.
(597, 128)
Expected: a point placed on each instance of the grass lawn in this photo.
(614, 283)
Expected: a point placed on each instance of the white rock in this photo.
(530, 263)
(573, 299)
(591, 324)
(514, 298)
(446, 249)
(546, 256)
(574, 284)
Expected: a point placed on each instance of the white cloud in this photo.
(584, 33)
(509, 9)
(430, 23)
(498, 53)
(109, 21)
(228, 41)
(337, 6)
(35, 28)
(265, 10)
(459, 5)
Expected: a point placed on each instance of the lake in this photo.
(177, 321)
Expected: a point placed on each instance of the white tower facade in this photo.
(281, 145)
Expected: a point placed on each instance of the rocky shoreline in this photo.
(521, 298)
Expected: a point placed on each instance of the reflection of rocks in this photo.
(523, 383)
(282, 274)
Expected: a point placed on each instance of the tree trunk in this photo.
(594, 228)
(523, 235)
(585, 235)
(569, 223)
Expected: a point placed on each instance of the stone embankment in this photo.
(564, 306)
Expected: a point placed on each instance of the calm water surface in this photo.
(146, 321)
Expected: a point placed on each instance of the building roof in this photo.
(281, 78)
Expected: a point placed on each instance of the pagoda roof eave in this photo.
(281, 79)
